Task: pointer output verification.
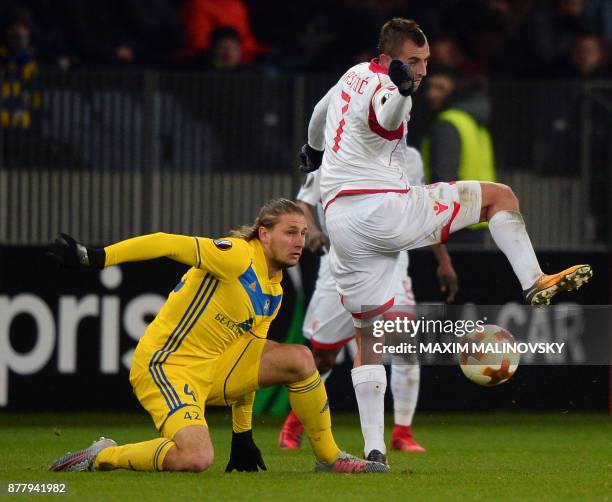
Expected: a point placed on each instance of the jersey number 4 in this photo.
(340, 130)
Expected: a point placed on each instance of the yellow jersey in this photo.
(226, 293)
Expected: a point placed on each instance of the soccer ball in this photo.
(488, 361)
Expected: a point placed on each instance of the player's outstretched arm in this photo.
(179, 248)
(67, 252)
(244, 454)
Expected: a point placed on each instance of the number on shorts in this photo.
(192, 415)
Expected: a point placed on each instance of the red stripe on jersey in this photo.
(365, 191)
(330, 346)
(376, 128)
(394, 314)
(446, 229)
(377, 311)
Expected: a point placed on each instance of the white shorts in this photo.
(368, 231)
(327, 324)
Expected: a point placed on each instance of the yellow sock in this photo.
(145, 456)
(308, 399)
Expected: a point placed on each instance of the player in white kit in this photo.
(329, 327)
(357, 135)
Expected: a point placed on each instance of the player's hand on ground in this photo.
(244, 455)
(402, 76)
(449, 283)
(318, 242)
(310, 159)
(67, 252)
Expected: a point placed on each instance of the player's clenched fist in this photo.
(402, 76)
(310, 159)
(69, 253)
(317, 242)
(244, 455)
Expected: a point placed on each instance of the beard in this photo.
(282, 264)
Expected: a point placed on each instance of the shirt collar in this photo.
(377, 68)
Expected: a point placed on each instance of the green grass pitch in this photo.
(469, 456)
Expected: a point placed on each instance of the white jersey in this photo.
(310, 191)
(361, 123)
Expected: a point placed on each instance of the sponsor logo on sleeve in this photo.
(222, 244)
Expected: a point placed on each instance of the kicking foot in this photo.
(82, 460)
(548, 286)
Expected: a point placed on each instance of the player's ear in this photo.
(384, 60)
(263, 235)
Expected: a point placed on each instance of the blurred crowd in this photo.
(465, 126)
(496, 38)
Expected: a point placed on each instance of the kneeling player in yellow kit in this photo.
(208, 345)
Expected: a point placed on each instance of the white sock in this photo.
(508, 231)
(405, 380)
(325, 375)
(370, 383)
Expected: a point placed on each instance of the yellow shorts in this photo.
(176, 396)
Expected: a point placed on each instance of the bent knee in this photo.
(198, 462)
(500, 195)
(506, 193)
(302, 363)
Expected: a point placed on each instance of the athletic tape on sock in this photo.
(506, 216)
(369, 373)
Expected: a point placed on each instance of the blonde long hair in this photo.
(269, 215)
